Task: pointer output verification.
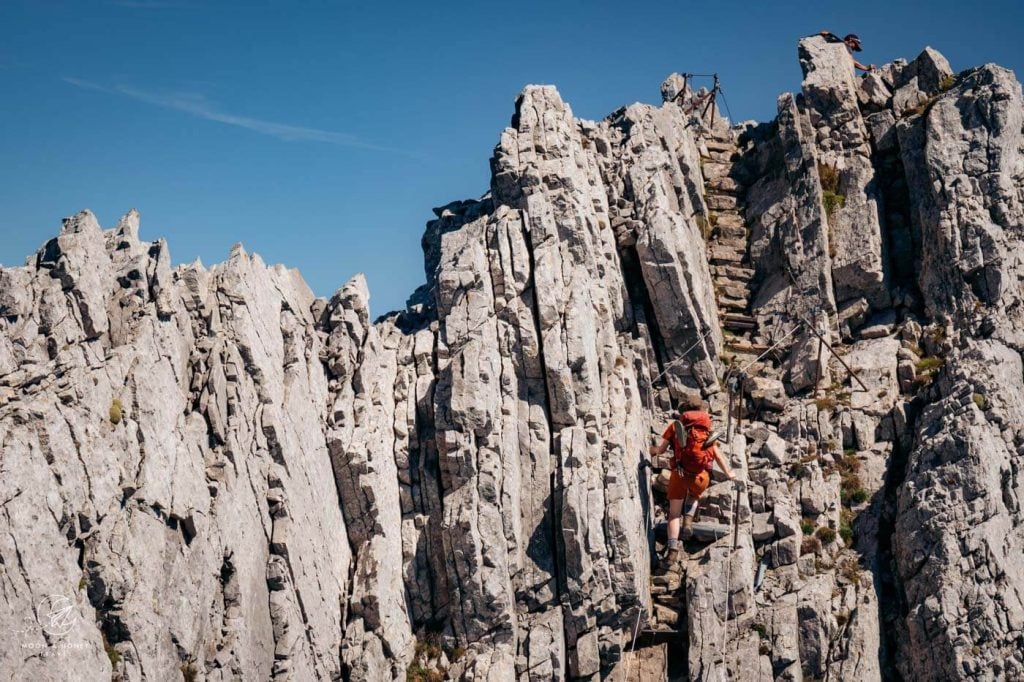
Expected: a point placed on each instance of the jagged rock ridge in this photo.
(224, 477)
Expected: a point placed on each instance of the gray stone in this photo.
(764, 527)
(775, 449)
(767, 393)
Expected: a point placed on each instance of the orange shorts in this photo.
(694, 485)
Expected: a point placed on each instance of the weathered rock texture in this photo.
(211, 473)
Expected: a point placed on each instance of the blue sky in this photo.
(320, 134)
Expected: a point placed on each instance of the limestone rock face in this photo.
(167, 477)
(211, 473)
(850, 191)
(963, 557)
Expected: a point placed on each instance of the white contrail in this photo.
(197, 105)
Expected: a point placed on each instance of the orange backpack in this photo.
(689, 433)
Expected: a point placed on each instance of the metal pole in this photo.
(736, 518)
(728, 414)
(836, 355)
(739, 411)
(714, 95)
(817, 377)
(709, 106)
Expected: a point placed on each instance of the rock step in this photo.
(738, 321)
(727, 253)
(724, 185)
(714, 168)
(730, 219)
(731, 290)
(737, 244)
(729, 232)
(737, 287)
(724, 157)
(733, 305)
(736, 272)
(745, 318)
(716, 144)
(730, 245)
(728, 286)
(740, 345)
(721, 202)
(725, 256)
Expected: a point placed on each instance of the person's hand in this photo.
(653, 450)
(871, 67)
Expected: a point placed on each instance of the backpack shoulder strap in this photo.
(679, 433)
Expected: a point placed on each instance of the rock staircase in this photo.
(662, 642)
(726, 232)
(727, 236)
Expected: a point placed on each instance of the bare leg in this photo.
(690, 510)
(675, 508)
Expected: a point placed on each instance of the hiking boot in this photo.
(672, 551)
(688, 526)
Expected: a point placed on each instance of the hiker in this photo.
(852, 42)
(694, 454)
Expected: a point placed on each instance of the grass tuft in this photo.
(849, 464)
(417, 673)
(829, 176)
(827, 403)
(929, 364)
(833, 202)
(116, 411)
(428, 648)
(846, 533)
(851, 489)
(846, 517)
(810, 545)
(851, 571)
